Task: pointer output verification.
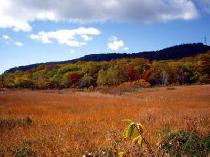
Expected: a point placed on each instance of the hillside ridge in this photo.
(174, 52)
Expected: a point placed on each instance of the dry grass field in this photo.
(66, 123)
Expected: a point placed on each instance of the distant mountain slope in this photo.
(175, 52)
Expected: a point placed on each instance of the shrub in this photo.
(11, 123)
(141, 83)
(184, 143)
(24, 150)
(131, 86)
(206, 142)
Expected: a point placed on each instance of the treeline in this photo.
(170, 53)
(188, 70)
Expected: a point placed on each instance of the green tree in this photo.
(102, 78)
(159, 73)
(116, 75)
(23, 82)
(91, 69)
(65, 81)
(69, 68)
(40, 80)
(56, 79)
(9, 80)
(87, 81)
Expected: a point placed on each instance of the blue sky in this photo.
(33, 31)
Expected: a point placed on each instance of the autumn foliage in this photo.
(190, 70)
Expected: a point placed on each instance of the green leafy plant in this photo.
(135, 132)
(184, 143)
(24, 150)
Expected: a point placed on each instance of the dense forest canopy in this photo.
(83, 74)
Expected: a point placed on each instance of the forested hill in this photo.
(175, 52)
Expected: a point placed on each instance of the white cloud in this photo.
(116, 44)
(8, 40)
(17, 14)
(9, 18)
(71, 37)
(6, 37)
(17, 43)
(86, 37)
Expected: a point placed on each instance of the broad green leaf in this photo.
(129, 131)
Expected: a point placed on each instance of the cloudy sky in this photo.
(34, 31)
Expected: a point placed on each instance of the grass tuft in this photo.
(11, 123)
